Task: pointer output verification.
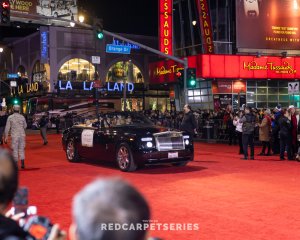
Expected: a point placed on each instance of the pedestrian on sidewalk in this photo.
(43, 127)
(3, 120)
(264, 133)
(239, 130)
(248, 121)
(16, 125)
(189, 123)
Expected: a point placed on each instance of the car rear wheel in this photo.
(180, 164)
(72, 153)
(125, 159)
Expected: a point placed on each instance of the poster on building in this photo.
(50, 8)
(221, 101)
(268, 24)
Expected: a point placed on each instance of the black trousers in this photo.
(248, 140)
(275, 143)
(286, 143)
(266, 145)
(231, 135)
(240, 139)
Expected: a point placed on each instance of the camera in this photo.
(38, 227)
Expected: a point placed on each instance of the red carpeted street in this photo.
(229, 198)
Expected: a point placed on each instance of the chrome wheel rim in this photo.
(70, 150)
(123, 157)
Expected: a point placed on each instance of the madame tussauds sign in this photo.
(285, 67)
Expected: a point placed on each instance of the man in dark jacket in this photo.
(285, 126)
(249, 121)
(43, 127)
(188, 123)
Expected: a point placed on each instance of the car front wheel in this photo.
(72, 153)
(125, 159)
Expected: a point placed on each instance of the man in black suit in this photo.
(188, 123)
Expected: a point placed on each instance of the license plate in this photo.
(173, 155)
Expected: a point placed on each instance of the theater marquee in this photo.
(165, 26)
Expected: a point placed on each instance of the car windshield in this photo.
(121, 119)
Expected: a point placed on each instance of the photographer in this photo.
(9, 228)
(106, 202)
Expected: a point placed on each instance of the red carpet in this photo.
(229, 198)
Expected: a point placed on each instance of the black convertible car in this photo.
(130, 139)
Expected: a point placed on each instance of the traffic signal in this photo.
(4, 12)
(15, 101)
(98, 28)
(191, 79)
(180, 77)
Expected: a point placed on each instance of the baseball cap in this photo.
(16, 107)
(291, 106)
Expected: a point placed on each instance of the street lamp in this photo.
(72, 23)
(81, 18)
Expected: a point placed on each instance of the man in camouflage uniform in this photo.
(16, 125)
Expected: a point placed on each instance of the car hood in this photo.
(146, 130)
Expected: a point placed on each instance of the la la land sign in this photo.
(88, 86)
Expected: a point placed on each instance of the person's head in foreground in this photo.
(8, 179)
(106, 208)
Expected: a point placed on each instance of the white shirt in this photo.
(238, 125)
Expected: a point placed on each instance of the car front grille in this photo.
(167, 141)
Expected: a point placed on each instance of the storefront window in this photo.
(201, 94)
(39, 73)
(124, 71)
(261, 94)
(77, 69)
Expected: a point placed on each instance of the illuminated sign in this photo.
(284, 68)
(267, 25)
(26, 88)
(165, 26)
(205, 22)
(132, 46)
(159, 71)
(44, 44)
(88, 86)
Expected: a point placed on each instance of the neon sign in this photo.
(205, 23)
(284, 68)
(165, 26)
(88, 86)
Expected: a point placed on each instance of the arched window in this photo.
(127, 71)
(77, 69)
(39, 73)
(22, 72)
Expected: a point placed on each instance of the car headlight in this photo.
(149, 144)
(187, 142)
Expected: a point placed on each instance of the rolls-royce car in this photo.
(130, 139)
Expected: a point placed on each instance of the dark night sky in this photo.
(126, 16)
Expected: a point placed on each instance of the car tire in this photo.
(125, 159)
(180, 164)
(72, 152)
